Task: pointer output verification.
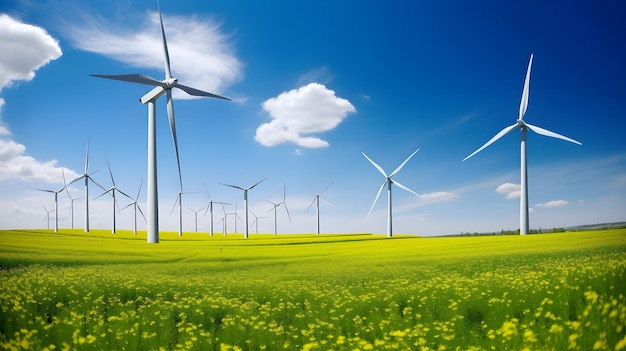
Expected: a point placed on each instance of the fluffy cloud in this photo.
(554, 203)
(439, 196)
(200, 55)
(310, 109)
(14, 164)
(25, 48)
(512, 191)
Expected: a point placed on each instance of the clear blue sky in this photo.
(314, 84)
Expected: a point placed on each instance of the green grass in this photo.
(103, 291)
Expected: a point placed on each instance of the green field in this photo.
(103, 291)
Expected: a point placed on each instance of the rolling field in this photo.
(103, 291)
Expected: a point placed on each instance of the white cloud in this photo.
(25, 48)
(512, 191)
(200, 55)
(312, 108)
(439, 196)
(554, 203)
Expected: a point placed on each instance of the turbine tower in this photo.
(47, 216)
(71, 198)
(112, 191)
(275, 205)
(256, 221)
(135, 204)
(316, 200)
(523, 126)
(56, 203)
(195, 212)
(161, 87)
(209, 208)
(388, 182)
(245, 201)
(87, 178)
(179, 201)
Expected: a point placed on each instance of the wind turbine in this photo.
(56, 203)
(523, 126)
(70, 197)
(161, 87)
(179, 200)
(256, 221)
(209, 208)
(316, 200)
(47, 217)
(87, 178)
(235, 216)
(112, 191)
(135, 204)
(388, 182)
(245, 201)
(195, 212)
(275, 205)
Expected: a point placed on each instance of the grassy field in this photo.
(103, 291)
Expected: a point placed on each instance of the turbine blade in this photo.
(132, 78)
(233, 186)
(328, 186)
(170, 116)
(311, 204)
(259, 182)
(87, 158)
(127, 206)
(406, 188)
(123, 193)
(142, 215)
(111, 174)
(380, 169)
(198, 92)
(377, 196)
(548, 133)
(286, 209)
(48, 191)
(403, 163)
(101, 187)
(168, 72)
(139, 192)
(107, 191)
(175, 202)
(492, 140)
(523, 105)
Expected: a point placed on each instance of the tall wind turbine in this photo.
(388, 182)
(179, 201)
(209, 208)
(87, 178)
(316, 200)
(195, 212)
(70, 197)
(523, 126)
(275, 205)
(47, 217)
(56, 203)
(245, 201)
(135, 204)
(112, 191)
(161, 87)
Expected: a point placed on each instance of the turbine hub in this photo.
(170, 83)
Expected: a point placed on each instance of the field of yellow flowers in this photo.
(103, 291)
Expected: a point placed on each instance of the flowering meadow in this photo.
(101, 291)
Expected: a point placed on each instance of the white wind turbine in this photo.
(523, 126)
(316, 200)
(87, 178)
(179, 201)
(161, 87)
(195, 212)
(275, 205)
(112, 191)
(245, 201)
(256, 221)
(209, 208)
(135, 204)
(71, 198)
(47, 216)
(388, 182)
(56, 203)
(235, 216)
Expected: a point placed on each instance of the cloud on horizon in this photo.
(200, 54)
(512, 191)
(552, 204)
(310, 109)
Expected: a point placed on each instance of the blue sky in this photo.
(313, 85)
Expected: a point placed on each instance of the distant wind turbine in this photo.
(179, 201)
(195, 212)
(256, 221)
(135, 204)
(47, 216)
(70, 197)
(523, 126)
(87, 178)
(209, 208)
(161, 87)
(245, 201)
(56, 203)
(112, 191)
(388, 182)
(275, 205)
(235, 216)
(316, 200)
